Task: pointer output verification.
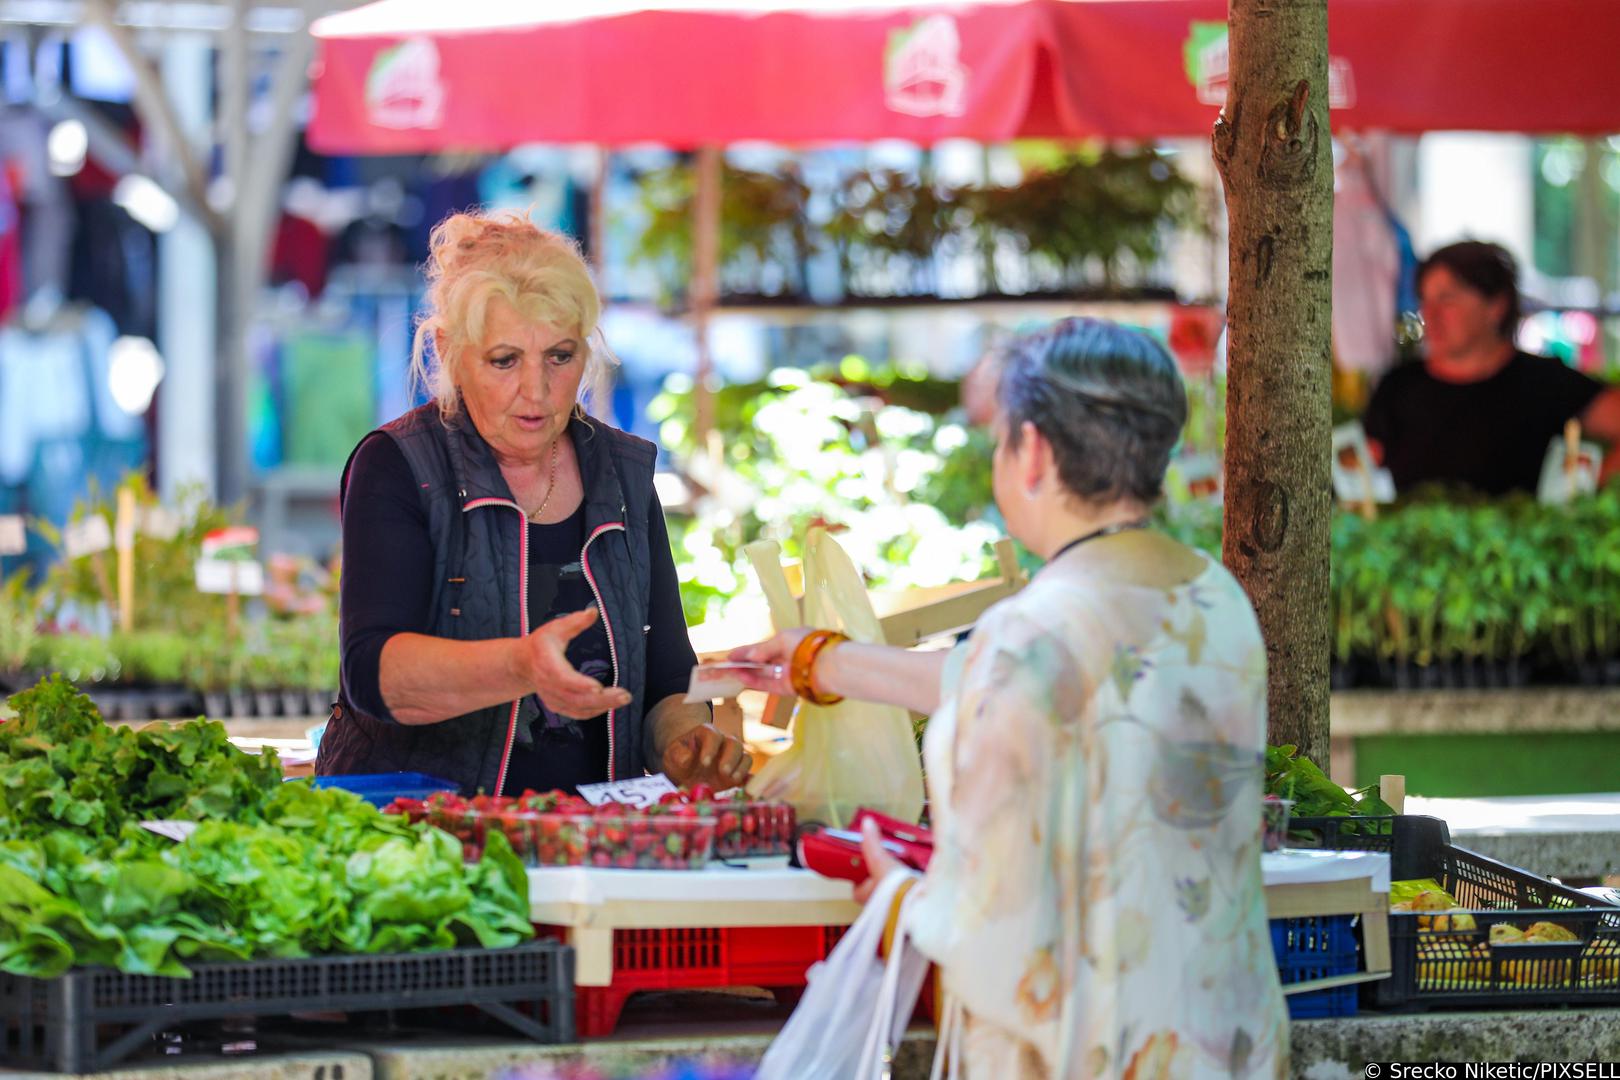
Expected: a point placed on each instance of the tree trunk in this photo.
(1272, 147)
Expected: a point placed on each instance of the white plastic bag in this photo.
(854, 753)
(856, 1007)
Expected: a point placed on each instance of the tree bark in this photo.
(1272, 147)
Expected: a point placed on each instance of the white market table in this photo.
(591, 903)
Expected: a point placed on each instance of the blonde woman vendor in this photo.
(510, 616)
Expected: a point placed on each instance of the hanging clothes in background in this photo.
(1366, 272)
(55, 382)
(298, 253)
(97, 333)
(44, 393)
(61, 431)
(324, 375)
(115, 266)
(327, 388)
(44, 199)
(97, 68)
(376, 238)
(11, 265)
(534, 180)
(1406, 290)
(263, 416)
(392, 316)
(65, 470)
(444, 193)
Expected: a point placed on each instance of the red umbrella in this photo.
(422, 75)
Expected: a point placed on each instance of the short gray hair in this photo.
(1108, 399)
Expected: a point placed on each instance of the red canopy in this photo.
(401, 76)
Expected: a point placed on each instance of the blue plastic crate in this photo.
(1316, 947)
(380, 789)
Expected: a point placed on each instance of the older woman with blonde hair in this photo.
(510, 615)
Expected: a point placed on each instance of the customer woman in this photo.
(1094, 758)
(510, 615)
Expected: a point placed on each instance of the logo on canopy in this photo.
(403, 88)
(922, 71)
(1207, 60)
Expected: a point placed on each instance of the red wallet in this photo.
(836, 853)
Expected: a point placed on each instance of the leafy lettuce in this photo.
(273, 869)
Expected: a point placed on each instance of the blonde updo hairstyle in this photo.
(474, 257)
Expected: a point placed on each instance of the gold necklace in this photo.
(551, 483)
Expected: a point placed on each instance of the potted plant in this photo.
(1092, 219)
(320, 662)
(85, 659)
(211, 671)
(765, 239)
(19, 631)
(889, 228)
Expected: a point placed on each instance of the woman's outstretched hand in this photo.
(563, 689)
(777, 652)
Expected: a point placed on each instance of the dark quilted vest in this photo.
(478, 538)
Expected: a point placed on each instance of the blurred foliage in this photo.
(20, 632)
(1095, 213)
(165, 567)
(180, 635)
(764, 232)
(1087, 218)
(904, 487)
(1445, 577)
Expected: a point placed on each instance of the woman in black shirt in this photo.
(510, 615)
(1477, 412)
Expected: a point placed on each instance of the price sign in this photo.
(640, 792)
(174, 830)
(87, 537)
(159, 522)
(13, 535)
(240, 576)
(233, 541)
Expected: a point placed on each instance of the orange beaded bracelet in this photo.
(803, 665)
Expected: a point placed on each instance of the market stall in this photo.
(309, 895)
(638, 895)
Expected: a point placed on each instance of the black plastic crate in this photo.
(1441, 968)
(90, 1018)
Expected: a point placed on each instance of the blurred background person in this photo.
(1478, 412)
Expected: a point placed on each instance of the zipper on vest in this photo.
(523, 608)
(613, 650)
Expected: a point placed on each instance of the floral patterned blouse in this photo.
(1095, 899)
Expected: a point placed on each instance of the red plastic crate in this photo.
(774, 958)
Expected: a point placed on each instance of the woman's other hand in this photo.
(879, 861)
(777, 651)
(563, 689)
(707, 755)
